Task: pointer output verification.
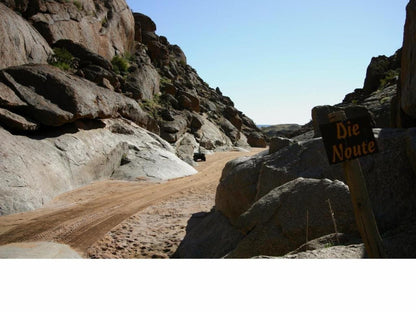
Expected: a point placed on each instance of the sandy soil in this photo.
(116, 219)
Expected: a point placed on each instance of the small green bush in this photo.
(104, 22)
(390, 76)
(152, 106)
(120, 64)
(62, 59)
(164, 81)
(78, 5)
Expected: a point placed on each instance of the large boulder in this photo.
(143, 23)
(229, 129)
(281, 220)
(143, 80)
(238, 181)
(104, 27)
(86, 56)
(20, 43)
(392, 202)
(171, 131)
(297, 159)
(408, 83)
(212, 138)
(256, 139)
(52, 97)
(186, 147)
(36, 169)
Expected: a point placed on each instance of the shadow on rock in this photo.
(208, 235)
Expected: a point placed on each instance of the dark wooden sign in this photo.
(348, 139)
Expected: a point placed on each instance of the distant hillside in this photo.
(285, 130)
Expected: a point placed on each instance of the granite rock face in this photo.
(277, 223)
(407, 101)
(37, 168)
(269, 197)
(20, 42)
(81, 85)
(51, 97)
(104, 27)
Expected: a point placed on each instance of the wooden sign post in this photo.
(345, 140)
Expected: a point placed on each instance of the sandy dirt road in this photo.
(105, 219)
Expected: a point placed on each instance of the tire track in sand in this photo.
(81, 217)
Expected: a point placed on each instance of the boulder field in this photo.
(89, 91)
(291, 194)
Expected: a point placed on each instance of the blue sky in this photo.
(278, 59)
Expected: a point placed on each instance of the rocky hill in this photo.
(377, 99)
(293, 204)
(89, 91)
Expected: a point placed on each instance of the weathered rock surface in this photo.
(239, 180)
(222, 126)
(20, 43)
(283, 130)
(277, 223)
(407, 100)
(209, 235)
(79, 120)
(35, 169)
(334, 239)
(332, 252)
(38, 250)
(277, 143)
(308, 159)
(274, 190)
(143, 80)
(52, 97)
(106, 28)
(86, 57)
(186, 147)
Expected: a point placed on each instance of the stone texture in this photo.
(282, 130)
(20, 43)
(171, 131)
(38, 250)
(186, 147)
(188, 101)
(54, 97)
(408, 87)
(392, 198)
(277, 143)
(300, 159)
(16, 122)
(34, 170)
(229, 129)
(333, 252)
(106, 28)
(239, 180)
(276, 224)
(256, 139)
(212, 138)
(86, 57)
(143, 80)
(208, 235)
(144, 23)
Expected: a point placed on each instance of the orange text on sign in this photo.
(349, 130)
